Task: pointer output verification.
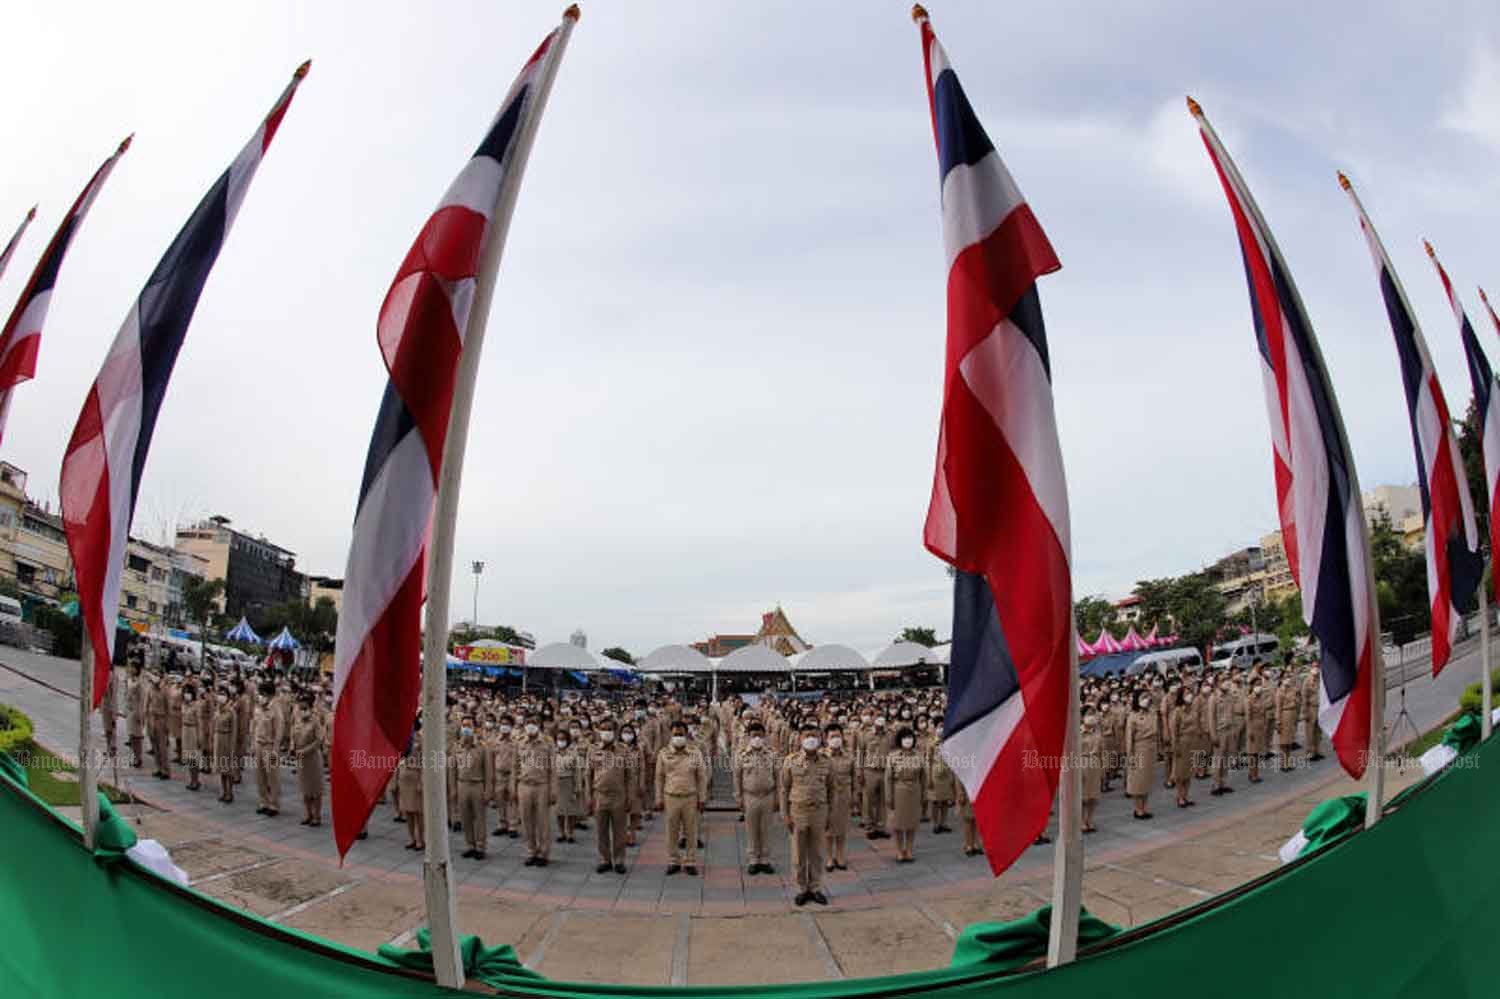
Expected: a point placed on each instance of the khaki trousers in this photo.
(472, 813)
(809, 826)
(609, 831)
(268, 776)
(533, 800)
(161, 748)
(505, 804)
(758, 827)
(682, 821)
(872, 806)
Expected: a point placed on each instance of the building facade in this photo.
(257, 574)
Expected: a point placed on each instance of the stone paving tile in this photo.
(619, 948)
(276, 888)
(753, 950)
(886, 941)
(365, 916)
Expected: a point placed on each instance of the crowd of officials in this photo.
(541, 766)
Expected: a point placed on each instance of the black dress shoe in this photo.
(530, 862)
(400, 818)
(691, 871)
(513, 834)
(562, 839)
(363, 834)
(541, 861)
(820, 898)
(673, 869)
(767, 869)
(1315, 757)
(467, 854)
(753, 869)
(478, 854)
(801, 899)
(602, 868)
(1228, 789)
(456, 826)
(619, 868)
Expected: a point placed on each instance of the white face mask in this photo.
(607, 736)
(628, 736)
(531, 728)
(562, 743)
(756, 742)
(505, 730)
(907, 743)
(810, 743)
(880, 723)
(678, 741)
(836, 742)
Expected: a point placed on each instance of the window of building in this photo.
(25, 574)
(138, 564)
(130, 600)
(151, 606)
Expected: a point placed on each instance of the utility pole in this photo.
(478, 568)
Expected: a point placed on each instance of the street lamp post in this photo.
(478, 568)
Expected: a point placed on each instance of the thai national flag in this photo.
(1454, 565)
(22, 336)
(999, 507)
(102, 467)
(1486, 400)
(1317, 495)
(376, 679)
(15, 240)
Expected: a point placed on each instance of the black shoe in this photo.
(681, 842)
(820, 898)
(530, 862)
(690, 871)
(580, 826)
(753, 869)
(1041, 840)
(541, 861)
(767, 869)
(602, 868)
(513, 834)
(1228, 789)
(467, 854)
(478, 854)
(562, 839)
(619, 868)
(363, 834)
(801, 898)
(400, 818)
(456, 826)
(1315, 757)
(700, 844)
(673, 869)
(500, 832)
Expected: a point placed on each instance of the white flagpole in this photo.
(88, 777)
(442, 913)
(1485, 724)
(1067, 856)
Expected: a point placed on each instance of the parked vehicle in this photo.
(1166, 659)
(1251, 650)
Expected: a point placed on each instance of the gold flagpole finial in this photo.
(31, 214)
(918, 13)
(572, 13)
(1483, 297)
(125, 143)
(1428, 247)
(1194, 108)
(302, 70)
(1344, 182)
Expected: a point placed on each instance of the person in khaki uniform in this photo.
(307, 748)
(535, 791)
(840, 806)
(503, 757)
(1288, 700)
(226, 729)
(135, 716)
(409, 789)
(1221, 711)
(682, 793)
(1091, 761)
(244, 711)
(1141, 741)
(174, 716)
(755, 792)
(192, 737)
(1183, 720)
(156, 714)
(806, 791)
(1312, 689)
(873, 801)
(941, 792)
(648, 733)
(572, 785)
(266, 737)
(110, 708)
(1258, 709)
(613, 770)
(905, 778)
(474, 773)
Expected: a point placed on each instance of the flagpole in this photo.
(437, 874)
(88, 776)
(1067, 855)
(1487, 698)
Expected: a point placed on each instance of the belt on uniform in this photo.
(682, 794)
(532, 783)
(471, 780)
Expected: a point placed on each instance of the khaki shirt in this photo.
(806, 783)
(536, 765)
(875, 745)
(471, 765)
(754, 774)
(681, 772)
(266, 728)
(613, 773)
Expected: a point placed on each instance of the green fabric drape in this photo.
(113, 836)
(1332, 820)
(1020, 941)
(497, 967)
(1463, 735)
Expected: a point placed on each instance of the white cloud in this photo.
(1476, 110)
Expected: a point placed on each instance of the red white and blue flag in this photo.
(1494, 319)
(22, 336)
(1454, 565)
(999, 507)
(106, 456)
(10, 247)
(1486, 399)
(420, 330)
(1317, 494)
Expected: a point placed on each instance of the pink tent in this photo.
(1151, 640)
(1133, 642)
(1085, 650)
(1106, 643)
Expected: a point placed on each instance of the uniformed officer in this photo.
(1312, 686)
(755, 780)
(613, 769)
(1091, 760)
(535, 791)
(1222, 712)
(192, 738)
(474, 772)
(409, 789)
(244, 712)
(941, 792)
(225, 740)
(156, 715)
(873, 804)
(840, 806)
(806, 790)
(1141, 742)
(1184, 721)
(266, 733)
(682, 793)
(174, 715)
(307, 749)
(1288, 700)
(1258, 709)
(503, 755)
(905, 779)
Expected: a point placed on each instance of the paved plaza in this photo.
(722, 927)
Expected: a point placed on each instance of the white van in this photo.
(1245, 652)
(1167, 659)
(10, 610)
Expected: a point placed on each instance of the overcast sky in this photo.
(713, 370)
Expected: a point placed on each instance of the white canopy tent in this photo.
(833, 658)
(900, 654)
(675, 659)
(564, 655)
(754, 659)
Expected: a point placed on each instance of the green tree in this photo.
(1472, 450)
(1292, 627)
(1091, 615)
(1400, 582)
(619, 655)
(1156, 602)
(924, 637)
(1199, 610)
(200, 599)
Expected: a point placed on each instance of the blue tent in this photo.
(242, 632)
(624, 674)
(1109, 665)
(583, 681)
(285, 641)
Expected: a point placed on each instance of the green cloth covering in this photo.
(497, 967)
(1020, 941)
(11, 768)
(1464, 734)
(113, 835)
(1333, 820)
(152, 939)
